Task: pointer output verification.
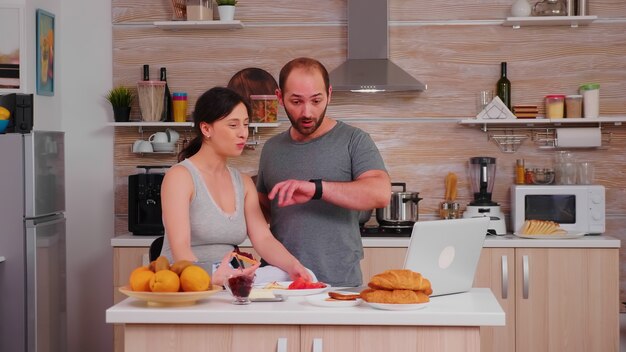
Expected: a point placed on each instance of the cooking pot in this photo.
(402, 209)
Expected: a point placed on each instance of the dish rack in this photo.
(508, 141)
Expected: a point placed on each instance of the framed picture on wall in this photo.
(45, 52)
(12, 54)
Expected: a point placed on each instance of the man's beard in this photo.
(307, 131)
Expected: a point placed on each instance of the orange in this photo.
(194, 278)
(164, 281)
(140, 279)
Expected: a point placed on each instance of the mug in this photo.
(136, 145)
(159, 137)
(145, 147)
(172, 135)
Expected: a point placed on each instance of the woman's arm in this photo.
(262, 239)
(176, 193)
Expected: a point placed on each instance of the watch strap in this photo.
(318, 188)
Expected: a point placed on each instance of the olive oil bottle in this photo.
(503, 87)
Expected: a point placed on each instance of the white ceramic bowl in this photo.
(163, 147)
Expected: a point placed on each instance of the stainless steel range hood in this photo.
(368, 68)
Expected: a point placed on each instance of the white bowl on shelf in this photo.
(163, 146)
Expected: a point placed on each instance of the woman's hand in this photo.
(225, 271)
(298, 270)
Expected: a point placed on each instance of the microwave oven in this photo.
(577, 208)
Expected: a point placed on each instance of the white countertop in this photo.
(507, 241)
(478, 307)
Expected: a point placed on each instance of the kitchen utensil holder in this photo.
(509, 141)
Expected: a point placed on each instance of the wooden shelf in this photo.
(572, 21)
(215, 24)
(617, 121)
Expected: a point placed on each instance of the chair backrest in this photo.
(155, 248)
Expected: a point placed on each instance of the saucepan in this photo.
(402, 210)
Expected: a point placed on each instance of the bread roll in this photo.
(400, 279)
(394, 296)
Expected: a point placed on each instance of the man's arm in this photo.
(370, 190)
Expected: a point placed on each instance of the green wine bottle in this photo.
(504, 87)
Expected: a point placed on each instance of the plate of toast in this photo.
(560, 236)
(335, 299)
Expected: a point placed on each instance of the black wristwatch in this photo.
(318, 188)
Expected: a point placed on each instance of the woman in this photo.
(208, 207)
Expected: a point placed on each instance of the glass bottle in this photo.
(167, 98)
(520, 174)
(504, 87)
(146, 72)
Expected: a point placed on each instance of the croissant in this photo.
(400, 279)
(394, 296)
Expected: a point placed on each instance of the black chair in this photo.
(155, 248)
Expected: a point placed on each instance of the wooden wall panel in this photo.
(417, 133)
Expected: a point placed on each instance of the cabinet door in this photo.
(567, 299)
(377, 260)
(202, 338)
(496, 271)
(378, 338)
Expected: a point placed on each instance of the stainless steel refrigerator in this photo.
(32, 242)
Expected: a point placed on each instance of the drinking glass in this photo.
(240, 286)
(568, 173)
(484, 98)
(585, 173)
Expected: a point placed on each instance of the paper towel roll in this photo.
(578, 137)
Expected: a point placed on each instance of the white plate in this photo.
(303, 292)
(389, 306)
(322, 300)
(553, 237)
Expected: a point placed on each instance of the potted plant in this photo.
(226, 9)
(121, 99)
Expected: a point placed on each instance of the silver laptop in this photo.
(446, 252)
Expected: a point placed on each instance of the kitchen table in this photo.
(447, 323)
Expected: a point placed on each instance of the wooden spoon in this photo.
(451, 186)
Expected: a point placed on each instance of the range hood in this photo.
(368, 68)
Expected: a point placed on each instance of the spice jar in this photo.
(555, 105)
(519, 172)
(528, 177)
(179, 106)
(573, 106)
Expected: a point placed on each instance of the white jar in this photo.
(591, 99)
(520, 8)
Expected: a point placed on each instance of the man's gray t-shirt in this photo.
(324, 237)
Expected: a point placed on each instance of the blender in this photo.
(483, 173)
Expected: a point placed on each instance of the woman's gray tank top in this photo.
(213, 232)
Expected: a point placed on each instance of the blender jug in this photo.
(482, 174)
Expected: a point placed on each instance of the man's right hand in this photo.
(291, 192)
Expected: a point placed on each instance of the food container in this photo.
(573, 106)
(264, 108)
(555, 106)
(591, 99)
(542, 176)
(402, 210)
(199, 10)
(151, 95)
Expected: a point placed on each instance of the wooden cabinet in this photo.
(125, 259)
(555, 299)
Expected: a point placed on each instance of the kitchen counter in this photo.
(478, 307)
(507, 241)
(447, 323)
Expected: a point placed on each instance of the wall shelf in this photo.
(572, 21)
(542, 122)
(181, 25)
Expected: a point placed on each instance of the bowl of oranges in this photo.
(162, 284)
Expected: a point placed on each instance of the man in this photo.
(315, 177)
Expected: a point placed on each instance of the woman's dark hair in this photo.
(215, 104)
(252, 81)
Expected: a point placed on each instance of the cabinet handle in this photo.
(318, 345)
(282, 344)
(505, 277)
(145, 259)
(525, 273)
